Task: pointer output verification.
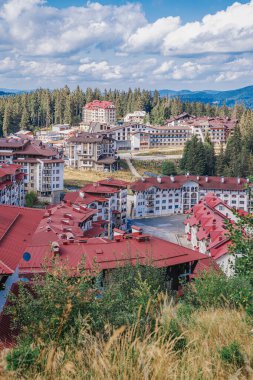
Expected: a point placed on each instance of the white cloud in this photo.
(150, 37)
(164, 68)
(37, 29)
(230, 30)
(7, 64)
(46, 44)
(100, 70)
(188, 70)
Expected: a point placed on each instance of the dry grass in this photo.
(74, 177)
(127, 356)
(163, 151)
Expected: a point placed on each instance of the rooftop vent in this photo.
(81, 194)
(143, 237)
(99, 251)
(55, 247)
(222, 179)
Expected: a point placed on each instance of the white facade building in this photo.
(41, 164)
(99, 112)
(135, 117)
(12, 185)
(177, 194)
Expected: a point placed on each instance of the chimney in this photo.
(118, 233)
(247, 180)
(187, 174)
(238, 180)
(172, 178)
(206, 178)
(136, 230)
(159, 179)
(214, 221)
(81, 194)
(222, 179)
(197, 177)
(143, 179)
(55, 247)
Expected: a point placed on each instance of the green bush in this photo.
(216, 290)
(231, 354)
(22, 357)
(177, 334)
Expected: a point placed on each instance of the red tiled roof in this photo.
(112, 182)
(112, 253)
(17, 224)
(179, 181)
(96, 188)
(99, 104)
(74, 197)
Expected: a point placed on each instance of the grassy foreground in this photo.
(206, 349)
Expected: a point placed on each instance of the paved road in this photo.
(132, 168)
(149, 158)
(165, 227)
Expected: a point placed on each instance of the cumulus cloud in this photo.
(188, 70)
(164, 68)
(100, 70)
(151, 36)
(39, 29)
(43, 43)
(230, 30)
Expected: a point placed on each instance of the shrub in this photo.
(216, 290)
(176, 333)
(231, 354)
(22, 357)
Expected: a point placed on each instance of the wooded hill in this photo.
(43, 107)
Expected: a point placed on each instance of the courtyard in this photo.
(169, 227)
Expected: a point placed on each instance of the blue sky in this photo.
(188, 10)
(200, 44)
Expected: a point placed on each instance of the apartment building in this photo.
(161, 137)
(108, 197)
(179, 119)
(91, 151)
(177, 194)
(135, 117)
(12, 185)
(100, 112)
(123, 133)
(205, 227)
(41, 164)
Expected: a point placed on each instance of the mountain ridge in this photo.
(242, 95)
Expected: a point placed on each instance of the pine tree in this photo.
(169, 168)
(6, 120)
(209, 156)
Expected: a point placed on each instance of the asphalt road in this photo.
(165, 227)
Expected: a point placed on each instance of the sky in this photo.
(163, 44)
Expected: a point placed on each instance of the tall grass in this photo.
(127, 353)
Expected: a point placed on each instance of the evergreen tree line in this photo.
(235, 161)
(42, 108)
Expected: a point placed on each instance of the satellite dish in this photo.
(27, 256)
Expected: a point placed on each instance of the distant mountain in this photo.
(7, 91)
(230, 98)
